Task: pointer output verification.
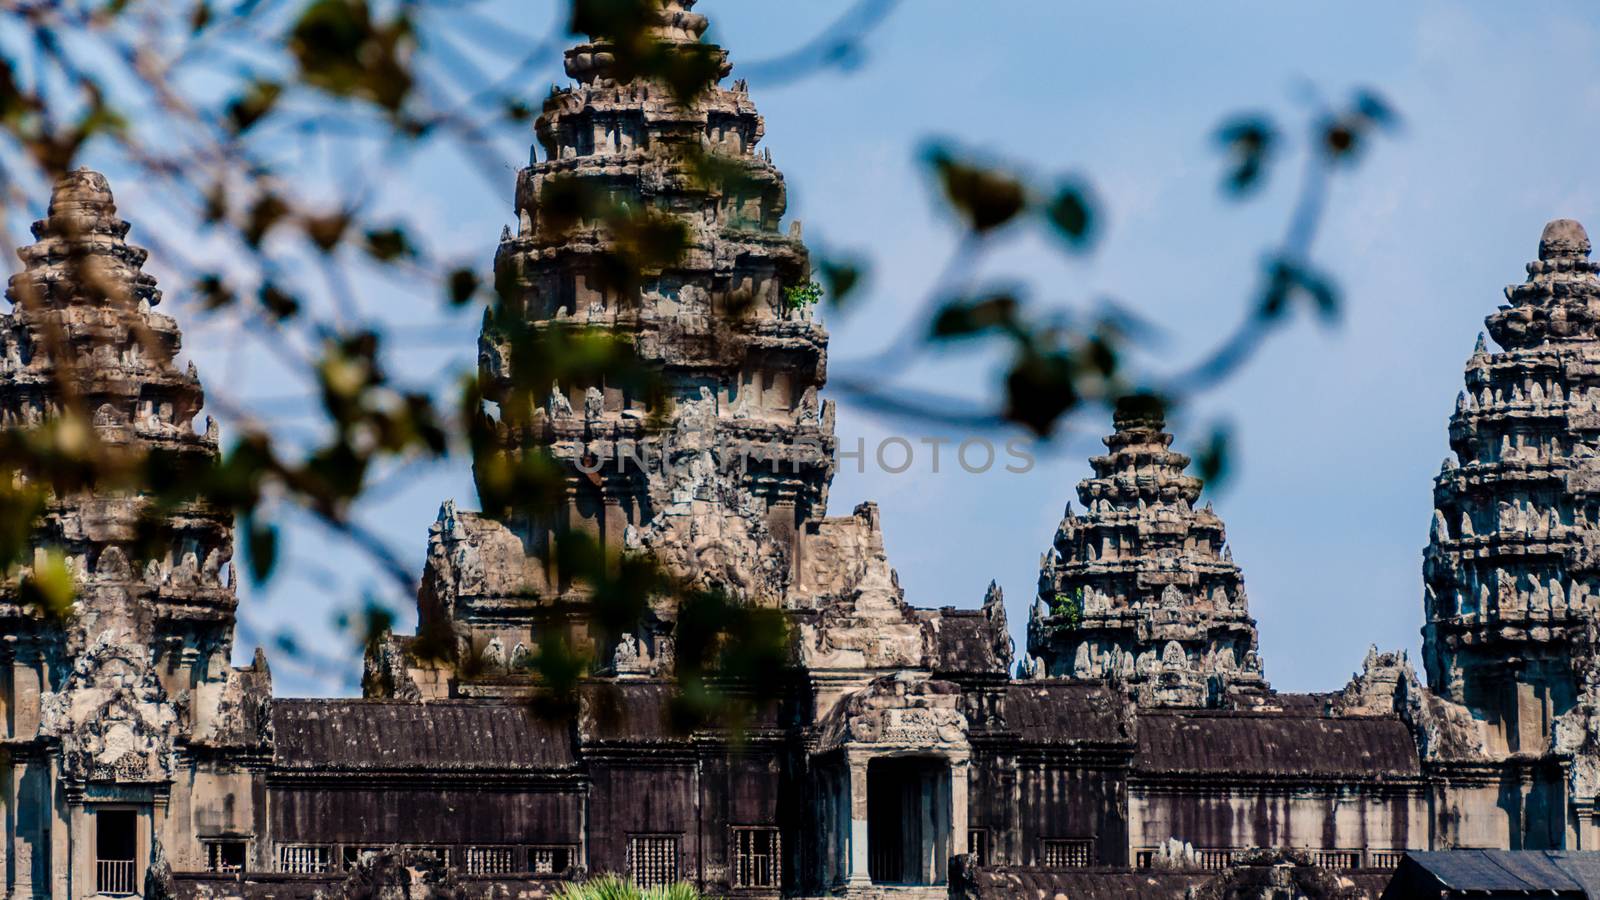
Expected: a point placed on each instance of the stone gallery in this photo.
(1135, 749)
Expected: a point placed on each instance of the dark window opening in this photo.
(549, 860)
(978, 846)
(225, 856)
(116, 848)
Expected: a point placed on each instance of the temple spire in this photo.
(1141, 589)
(1506, 572)
(1560, 300)
(668, 24)
(81, 255)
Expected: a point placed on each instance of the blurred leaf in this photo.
(840, 277)
(377, 621)
(970, 317)
(1211, 464)
(216, 206)
(327, 231)
(390, 244)
(1040, 388)
(341, 49)
(623, 19)
(20, 508)
(1286, 280)
(1376, 109)
(278, 303)
(1250, 142)
(200, 16)
(268, 210)
(1072, 213)
(462, 285)
(984, 198)
(250, 107)
(48, 588)
(212, 292)
(286, 643)
(261, 548)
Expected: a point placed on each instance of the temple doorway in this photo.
(908, 820)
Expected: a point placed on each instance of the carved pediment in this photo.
(112, 717)
(898, 711)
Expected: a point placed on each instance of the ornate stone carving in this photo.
(862, 620)
(1142, 587)
(1509, 570)
(112, 715)
(900, 710)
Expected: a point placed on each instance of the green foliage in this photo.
(800, 296)
(48, 588)
(1067, 608)
(610, 887)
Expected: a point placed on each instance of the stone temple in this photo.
(1136, 748)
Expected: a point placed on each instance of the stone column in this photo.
(858, 871)
(27, 680)
(77, 869)
(959, 775)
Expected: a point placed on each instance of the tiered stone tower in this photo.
(1142, 588)
(741, 367)
(83, 337)
(127, 696)
(1510, 569)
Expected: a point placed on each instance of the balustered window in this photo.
(978, 845)
(1384, 859)
(757, 860)
(225, 855)
(653, 859)
(304, 859)
(550, 860)
(491, 860)
(1070, 853)
(116, 852)
(1336, 859)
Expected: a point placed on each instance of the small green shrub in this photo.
(799, 296)
(1068, 609)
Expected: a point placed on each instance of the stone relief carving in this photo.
(112, 715)
(902, 709)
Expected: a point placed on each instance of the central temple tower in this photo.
(1142, 588)
(714, 475)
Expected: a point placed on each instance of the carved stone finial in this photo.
(1563, 238)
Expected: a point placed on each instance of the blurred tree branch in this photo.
(265, 131)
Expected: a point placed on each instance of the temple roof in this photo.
(1209, 743)
(1063, 711)
(1552, 873)
(443, 735)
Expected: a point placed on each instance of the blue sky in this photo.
(1338, 431)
